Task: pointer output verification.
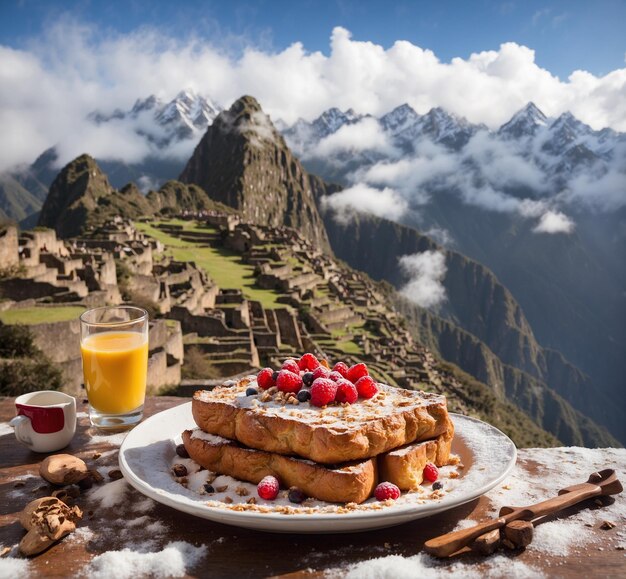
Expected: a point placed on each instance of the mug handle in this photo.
(17, 423)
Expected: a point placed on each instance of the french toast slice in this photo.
(334, 434)
(404, 466)
(352, 482)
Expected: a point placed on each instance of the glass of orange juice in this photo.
(114, 348)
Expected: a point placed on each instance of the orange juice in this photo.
(115, 366)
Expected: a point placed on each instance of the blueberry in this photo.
(437, 485)
(275, 376)
(304, 395)
(251, 392)
(208, 488)
(182, 451)
(296, 495)
(307, 378)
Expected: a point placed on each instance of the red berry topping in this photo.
(346, 392)
(268, 488)
(291, 365)
(335, 376)
(431, 472)
(308, 362)
(265, 378)
(341, 368)
(357, 371)
(288, 381)
(366, 387)
(320, 372)
(387, 490)
(323, 392)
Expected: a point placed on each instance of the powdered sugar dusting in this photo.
(110, 494)
(114, 439)
(5, 428)
(427, 567)
(10, 568)
(174, 560)
(210, 438)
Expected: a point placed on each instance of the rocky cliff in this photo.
(242, 161)
(73, 196)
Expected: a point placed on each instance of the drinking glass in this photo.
(114, 349)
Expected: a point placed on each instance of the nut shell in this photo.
(63, 469)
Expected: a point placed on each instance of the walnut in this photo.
(47, 520)
(63, 469)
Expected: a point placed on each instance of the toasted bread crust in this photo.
(353, 482)
(337, 434)
(404, 466)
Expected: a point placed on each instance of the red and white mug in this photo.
(45, 421)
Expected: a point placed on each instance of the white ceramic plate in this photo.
(148, 453)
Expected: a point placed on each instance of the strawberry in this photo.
(268, 488)
(291, 365)
(289, 382)
(357, 371)
(323, 392)
(346, 392)
(366, 387)
(386, 490)
(341, 368)
(265, 378)
(308, 362)
(431, 472)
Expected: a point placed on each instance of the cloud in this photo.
(48, 88)
(363, 199)
(554, 222)
(426, 271)
(365, 135)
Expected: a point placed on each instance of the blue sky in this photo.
(566, 35)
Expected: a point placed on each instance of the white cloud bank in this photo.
(426, 271)
(363, 199)
(47, 90)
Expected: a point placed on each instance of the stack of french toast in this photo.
(335, 443)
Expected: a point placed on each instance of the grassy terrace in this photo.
(35, 315)
(224, 267)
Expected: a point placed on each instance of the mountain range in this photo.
(492, 322)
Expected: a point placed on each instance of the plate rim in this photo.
(231, 517)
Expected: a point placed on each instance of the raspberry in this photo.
(431, 472)
(366, 387)
(386, 490)
(320, 372)
(291, 365)
(357, 371)
(289, 382)
(335, 376)
(341, 368)
(346, 392)
(308, 362)
(323, 392)
(268, 488)
(265, 378)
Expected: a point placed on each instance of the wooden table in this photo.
(235, 552)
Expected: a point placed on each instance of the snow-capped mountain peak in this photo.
(524, 122)
(399, 119)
